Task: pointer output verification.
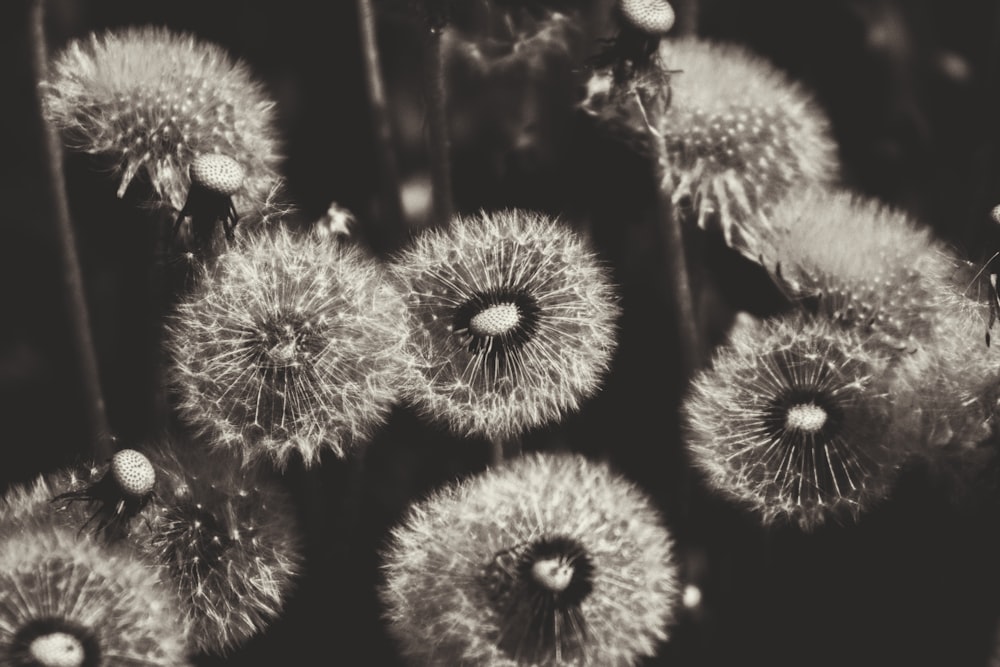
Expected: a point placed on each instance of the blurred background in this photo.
(913, 93)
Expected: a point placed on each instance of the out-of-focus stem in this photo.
(57, 207)
(677, 281)
(437, 126)
(391, 227)
(502, 449)
(687, 18)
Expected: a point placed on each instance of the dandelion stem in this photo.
(502, 449)
(687, 18)
(678, 284)
(437, 125)
(57, 207)
(391, 204)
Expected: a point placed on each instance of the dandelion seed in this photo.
(800, 421)
(548, 560)
(66, 601)
(862, 265)
(228, 539)
(289, 345)
(732, 134)
(153, 101)
(513, 322)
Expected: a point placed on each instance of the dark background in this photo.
(912, 92)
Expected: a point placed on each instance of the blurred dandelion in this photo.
(732, 134)
(228, 540)
(66, 601)
(800, 421)
(291, 343)
(152, 101)
(549, 560)
(883, 283)
(513, 322)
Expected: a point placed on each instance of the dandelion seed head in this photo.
(513, 322)
(733, 135)
(550, 559)
(739, 136)
(228, 539)
(861, 265)
(291, 344)
(67, 601)
(155, 102)
(798, 420)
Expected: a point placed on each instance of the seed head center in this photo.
(553, 574)
(805, 417)
(495, 320)
(133, 472)
(57, 649)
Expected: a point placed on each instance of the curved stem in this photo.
(57, 207)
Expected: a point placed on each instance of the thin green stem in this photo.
(57, 207)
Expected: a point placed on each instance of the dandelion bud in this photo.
(289, 345)
(157, 102)
(800, 421)
(66, 601)
(548, 560)
(513, 322)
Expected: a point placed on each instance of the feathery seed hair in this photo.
(735, 138)
(290, 344)
(151, 100)
(67, 600)
(862, 265)
(550, 559)
(800, 421)
(228, 540)
(513, 322)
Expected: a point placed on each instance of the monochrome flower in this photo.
(860, 264)
(288, 345)
(228, 540)
(548, 560)
(513, 322)
(800, 421)
(67, 601)
(733, 135)
(151, 101)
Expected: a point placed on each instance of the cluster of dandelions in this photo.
(811, 415)
(550, 559)
(216, 546)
